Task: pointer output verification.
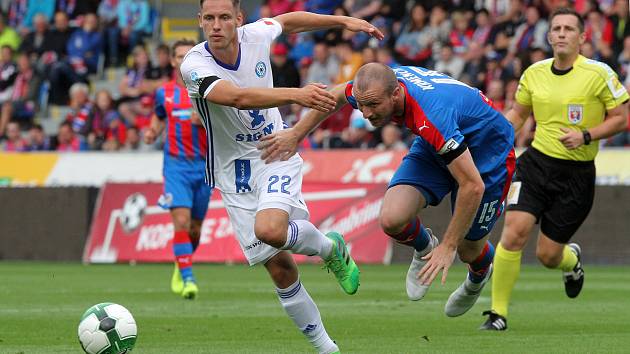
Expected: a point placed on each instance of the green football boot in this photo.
(342, 264)
(190, 290)
(177, 283)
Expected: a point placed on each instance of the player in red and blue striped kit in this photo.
(185, 192)
(463, 147)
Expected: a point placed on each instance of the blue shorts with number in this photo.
(425, 170)
(185, 187)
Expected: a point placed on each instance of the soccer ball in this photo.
(107, 328)
(133, 212)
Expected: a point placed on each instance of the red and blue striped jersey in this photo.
(445, 113)
(184, 140)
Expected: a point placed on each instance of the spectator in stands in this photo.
(496, 93)
(35, 43)
(391, 139)
(473, 73)
(394, 11)
(620, 19)
(279, 7)
(107, 13)
(158, 74)
(14, 142)
(510, 20)
(60, 35)
(323, 7)
(77, 9)
(23, 102)
(34, 8)
(8, 74)
(365, 9)
(8, 36)
(106, 122)
(483, 27)
(132, 87)
(624, 62)
(142, 120)
(599, 32)
(439, 29)
(461, 34)
(497, 8)
(356, 136)
(493, 69)
(133, 142)
(84, 49)
(67, 141)
(414, 43)
(285, 74)
(133, 21)
(325, 66)
(350, 61)
(164, 68)
(449, 63)
(81, 115)
(368, 55)
(16, 13)
(384, 56)
(37, 139)
(531, 33)
(588, 50)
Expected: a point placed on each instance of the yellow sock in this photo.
(507, 266)
(569, 260)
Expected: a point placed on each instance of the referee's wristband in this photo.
(587, 137)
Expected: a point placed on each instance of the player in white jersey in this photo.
(229, 80)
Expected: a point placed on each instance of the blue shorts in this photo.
(185, 186)
(425, 170)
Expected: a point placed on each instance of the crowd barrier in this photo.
(51, 221)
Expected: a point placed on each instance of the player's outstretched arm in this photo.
(301, 21)
(311, 96)
(470, 192)
(284, 143)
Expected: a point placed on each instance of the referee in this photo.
(576, 101)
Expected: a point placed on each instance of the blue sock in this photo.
(183, 249)
(478, 268)
(414, 235)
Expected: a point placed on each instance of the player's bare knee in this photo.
(547, 258)
(271, 233)
(181, 222)
(392, 225)
(513, 239)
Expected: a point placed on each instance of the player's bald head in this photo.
(235, 3)
(375, 75)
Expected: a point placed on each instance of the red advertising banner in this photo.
(346, 166)
(128, 226)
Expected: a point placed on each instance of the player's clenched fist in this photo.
(316, 97)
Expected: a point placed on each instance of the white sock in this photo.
(302, 310)
(304, 238)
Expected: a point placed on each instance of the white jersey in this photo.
(233, 134)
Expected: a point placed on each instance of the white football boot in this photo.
(415, 290)
(465, 296)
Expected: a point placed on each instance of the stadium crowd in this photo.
(50, 52)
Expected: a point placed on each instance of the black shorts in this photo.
(559, 193)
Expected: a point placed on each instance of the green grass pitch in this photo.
(238, 312)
